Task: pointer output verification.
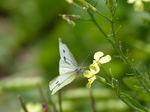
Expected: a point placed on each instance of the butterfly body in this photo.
(68, 68)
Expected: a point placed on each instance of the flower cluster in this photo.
(95, 67)
(138, 4)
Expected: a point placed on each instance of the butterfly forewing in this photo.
(67, 62)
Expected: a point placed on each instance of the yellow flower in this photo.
(138, 4)
(90, 81)
(90, 74)
(99, 59)
(95, 67)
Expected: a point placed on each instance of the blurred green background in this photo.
(29, 54)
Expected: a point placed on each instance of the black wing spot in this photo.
(65, 58)
(57, 82)
(64, 51)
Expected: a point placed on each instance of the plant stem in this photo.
(44, 104)
(22, 104)
(92, 101)
(116, 45)
(119, 49)
(52, 103)
(103, 16)
(101, 30)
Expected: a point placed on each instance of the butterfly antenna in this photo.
(86, 58)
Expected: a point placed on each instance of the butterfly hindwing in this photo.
(61, 81)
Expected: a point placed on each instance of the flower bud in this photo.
(111, 3)
(69, 1)
(101, 79)
(88, 6)
(69, 17)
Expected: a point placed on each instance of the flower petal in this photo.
(98, 54)
(131, 1)
(87, 74)
(105, 59)
(94, 68)
(139, 6)
(88, 85)
(91, 80)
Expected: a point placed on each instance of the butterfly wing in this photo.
(68, 68)
(61, 81)
(67, 62)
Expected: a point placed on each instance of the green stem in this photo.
(137, 74)
(52, 103)
(44, 103)
(92, 101)
(101, 30)
(103, 16)
(117, 47)
(22, 104)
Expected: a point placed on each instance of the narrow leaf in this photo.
(132, 103)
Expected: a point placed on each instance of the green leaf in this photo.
(132, 103)
(132, 83)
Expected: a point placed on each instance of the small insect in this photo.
(68, 69)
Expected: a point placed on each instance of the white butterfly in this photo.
(68, 68)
